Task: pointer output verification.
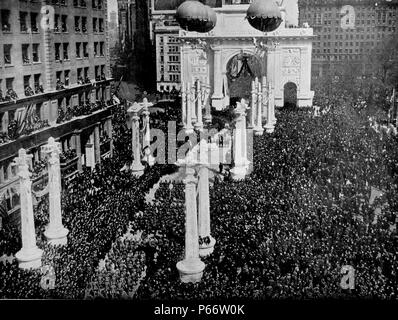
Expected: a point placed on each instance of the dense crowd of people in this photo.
(286, 231)
(304, 213)
(97, 206)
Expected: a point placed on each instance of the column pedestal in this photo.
(191, 270)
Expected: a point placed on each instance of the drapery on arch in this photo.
(242, 68)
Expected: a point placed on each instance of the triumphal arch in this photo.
(234, 48)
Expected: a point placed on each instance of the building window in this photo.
(77, 24)
(103, 72)
(5, 21)
(102, 44)
(33, 22)
(25, 54)
(64, 21)
(22, 21)
(36, 79)
(57, 52)
(35, 52)
(86, 73)
(83, 3)
(95, 49)
(84, 24)
(95, 27)
(79, 74)
(66, 51)
(58, 76)
(9, 83)
(67, 80)
(78, 45)
(101, 25)
(26, 81)
(85, 49)
(7, 53)
(56, 23)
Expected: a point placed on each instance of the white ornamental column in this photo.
(265, 97)
(183, 104)
(258, 129)
(30, 255)
(206, 241)
(147, 133)
(272, 102)
(217, 98)
(136, 167)
(191, 268)
(199, 123)
(269, 127)
(253, 106)
(241, 163)
(55, 232)
(194, 96)
(188, 126)
(206, 103)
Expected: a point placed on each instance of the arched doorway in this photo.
(242, 69)
(290, 95)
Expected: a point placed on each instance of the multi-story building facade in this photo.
(127, 21)
(347, 31)
(113, 29)
(164, 35)
(55, 82)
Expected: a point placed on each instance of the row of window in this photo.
(356, 50)
(26, 57)
(380, 15)
(99, 50)
(29, 56)
(172, 68)
(341, 57)
(357, 30)
(60, 22)
(172, 78)
(96, 4)
(61, 76)
(81, 24)
(346, 44)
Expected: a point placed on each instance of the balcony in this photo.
(69, 164)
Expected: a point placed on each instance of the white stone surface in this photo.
(289, 61)
(55, 232)
(241, 163)
(191, 268)
(30, 255)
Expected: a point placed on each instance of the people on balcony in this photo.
(39, 89)
(28, 91)
(87, 80)
(59, 85)
(6, 27)
(80, 80)
(11, 95)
